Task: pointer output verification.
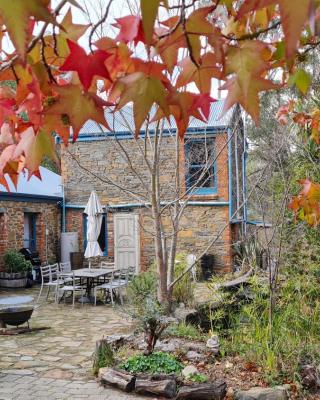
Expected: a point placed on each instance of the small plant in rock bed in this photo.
(183, 330)
(198, 378)
(155, 363)
(144, 307)
(103, 356)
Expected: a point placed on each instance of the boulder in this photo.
(189, 370)
(117, 341)
(213, 344)
(193, 355)
(258, 393)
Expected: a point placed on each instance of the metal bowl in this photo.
(15, 316)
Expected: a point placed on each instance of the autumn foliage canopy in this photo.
(49, 83)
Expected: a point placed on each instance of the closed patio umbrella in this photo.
(94, 212)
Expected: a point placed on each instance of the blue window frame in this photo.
(30, 231)
(103, 237)
(201, 177)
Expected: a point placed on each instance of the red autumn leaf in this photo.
(86, 65)
(32, 105)
(203, 102)
(182, 106)
(130, 29)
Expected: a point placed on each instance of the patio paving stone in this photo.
(57, 363)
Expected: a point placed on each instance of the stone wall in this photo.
(105, 167)
(48, 216)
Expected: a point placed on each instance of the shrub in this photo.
(103, 356)
(141, 287)
(15, 262)
(156, 363)
(144, 307)
(293, 338)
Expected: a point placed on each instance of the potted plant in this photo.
(16, 268)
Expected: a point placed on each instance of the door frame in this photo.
(137, 236)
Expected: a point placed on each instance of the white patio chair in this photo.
(107, 265)
(49, 278)
(68, 286)
(117, 280)
(65, 267)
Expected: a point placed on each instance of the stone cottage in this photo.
(211, 185)
(30, 215)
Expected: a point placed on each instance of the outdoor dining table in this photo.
(90, 274)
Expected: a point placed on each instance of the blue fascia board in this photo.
(34, 198)
(122, 135)
(141, 205)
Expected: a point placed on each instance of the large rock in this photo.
(194, 355)
(189, 370)
(213, 344)
(116, 341)
(258, 393)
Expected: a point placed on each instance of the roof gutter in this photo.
(142, 205)
(35, 198)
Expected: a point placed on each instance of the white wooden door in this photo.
(126, 241)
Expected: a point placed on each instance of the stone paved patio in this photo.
(56, 363)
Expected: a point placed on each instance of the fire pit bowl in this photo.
(15, 316)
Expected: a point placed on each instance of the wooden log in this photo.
(235, 283)
(204, 391)
(166, 388)
(119, 379)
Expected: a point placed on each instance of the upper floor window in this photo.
(200, 166)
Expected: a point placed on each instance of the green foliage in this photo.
(198, 378)
(15, 262)
(141, 287)
(184, 330)
(183, 291)
(144, 307)
(248, 253)
(103, 357)
(156, 363)
(293, 337)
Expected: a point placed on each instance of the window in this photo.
(103, 236)
(200, 166)
(30, 235)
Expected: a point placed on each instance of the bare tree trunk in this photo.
(175, 221)
(161, 260)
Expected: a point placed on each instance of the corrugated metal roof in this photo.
(122, 121)
(50, 185)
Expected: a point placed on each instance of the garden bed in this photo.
(214, 377)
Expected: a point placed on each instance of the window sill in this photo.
(205, 196)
